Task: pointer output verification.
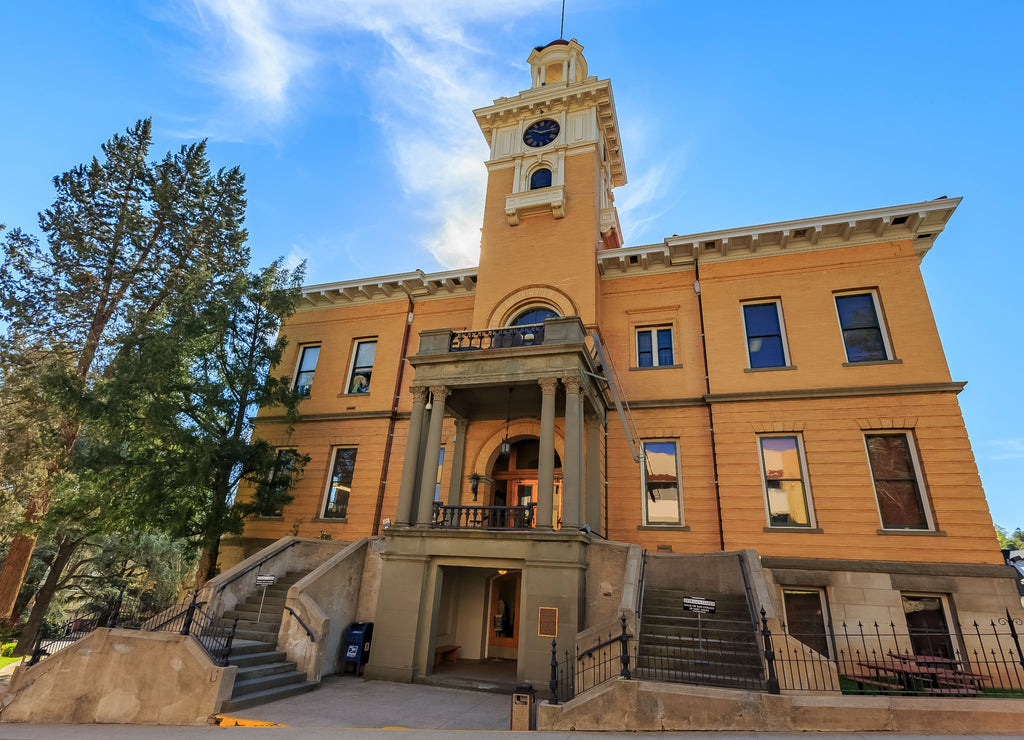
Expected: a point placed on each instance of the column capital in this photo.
(441, 392)
(547, 385)
(419, 394)
(572, 384)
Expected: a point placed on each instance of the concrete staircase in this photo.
(264, 673)
(680, 646)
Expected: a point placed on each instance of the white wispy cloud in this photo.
(427, 74)
(1006, 449)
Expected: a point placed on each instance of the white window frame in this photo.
(805, 478)
(782, 332)
(922, 489)
(298, 366)
(643, 484)
(654, 329)
(879, 315)
(330, 478)
(356, 344)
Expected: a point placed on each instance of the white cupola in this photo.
(560, 62)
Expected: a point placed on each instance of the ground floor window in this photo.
(806, 617)
(662, 498)
(928, 625)
(340, 486)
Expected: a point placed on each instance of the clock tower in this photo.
(555, 157)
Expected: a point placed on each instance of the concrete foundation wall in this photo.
(641, 706)
(148, 678)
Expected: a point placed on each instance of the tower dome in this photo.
(560, 62)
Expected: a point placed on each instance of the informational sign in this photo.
(698, 604)
(264, 580)
(547, 621)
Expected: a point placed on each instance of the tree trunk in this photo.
(15, 565)
(65, 549)
(207, 568)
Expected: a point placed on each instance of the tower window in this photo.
(540, 179)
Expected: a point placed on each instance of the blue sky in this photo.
(353, 124)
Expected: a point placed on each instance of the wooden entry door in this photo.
(504, 617)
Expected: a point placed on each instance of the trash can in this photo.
(524, 708)
(356, 646)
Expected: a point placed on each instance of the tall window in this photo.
(863, 333)
(785, 481)
(654, 346)
(362, 366)
(927, 624)
(898, 483)
(540, 179)
(662, 499)
(766, 344)
(440, 468)
(307, 366)
(340, 486)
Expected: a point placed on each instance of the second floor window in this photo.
(654, 347)
(362, 366)
(863, 333)
(307, 366)
(766, 345)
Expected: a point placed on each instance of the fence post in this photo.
(769, 655)
(115, 608)
(38, 651)
(190, 613)
(553, 683)
(624, 649)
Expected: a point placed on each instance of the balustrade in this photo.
(513, 336)
(483, 517)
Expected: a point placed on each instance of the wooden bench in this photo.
(445, 654)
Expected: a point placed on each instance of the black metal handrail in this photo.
(254, 566)
(640, 589)
(528, 335)
(746, 587)
(191, 619)
(483, 517)
(309, 632)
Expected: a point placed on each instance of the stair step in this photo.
(267, 695)
(254, 684)
(256, 658)
(703, 678)
(245, 646)
(246, 673)
(247, 608)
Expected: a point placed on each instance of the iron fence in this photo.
(190, 617)
(976, 660)
(580, 671)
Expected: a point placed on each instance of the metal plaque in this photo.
(547, 621)
(264, 580)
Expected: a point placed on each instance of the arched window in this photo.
(534, 315)
(540, 179)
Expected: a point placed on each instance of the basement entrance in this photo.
(476, 631)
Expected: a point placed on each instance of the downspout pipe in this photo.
(393, 417)
(707, 402)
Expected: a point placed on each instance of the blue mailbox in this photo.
(356, 646)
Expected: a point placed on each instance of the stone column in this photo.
(407, 489)
(428, 476)
(458, 462)
(546, 465)
(572, 463)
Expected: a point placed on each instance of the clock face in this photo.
(541, 133)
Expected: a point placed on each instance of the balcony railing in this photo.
(529, 335)
(483, 517)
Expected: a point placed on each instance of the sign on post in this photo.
(699, 604)
(265, 579)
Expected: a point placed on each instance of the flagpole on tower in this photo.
(561, 30)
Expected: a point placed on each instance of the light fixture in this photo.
(474, 483)
(430, 401)
(506, 446)
(502, 572)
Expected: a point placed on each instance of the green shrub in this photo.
(7, 649)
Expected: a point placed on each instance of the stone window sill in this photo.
(914, 532)
(768, 369)
(873, 362)
(663, 528)
(805, 530)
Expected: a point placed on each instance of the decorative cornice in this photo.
(919, 223)
(969, 570)
(418, 285)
